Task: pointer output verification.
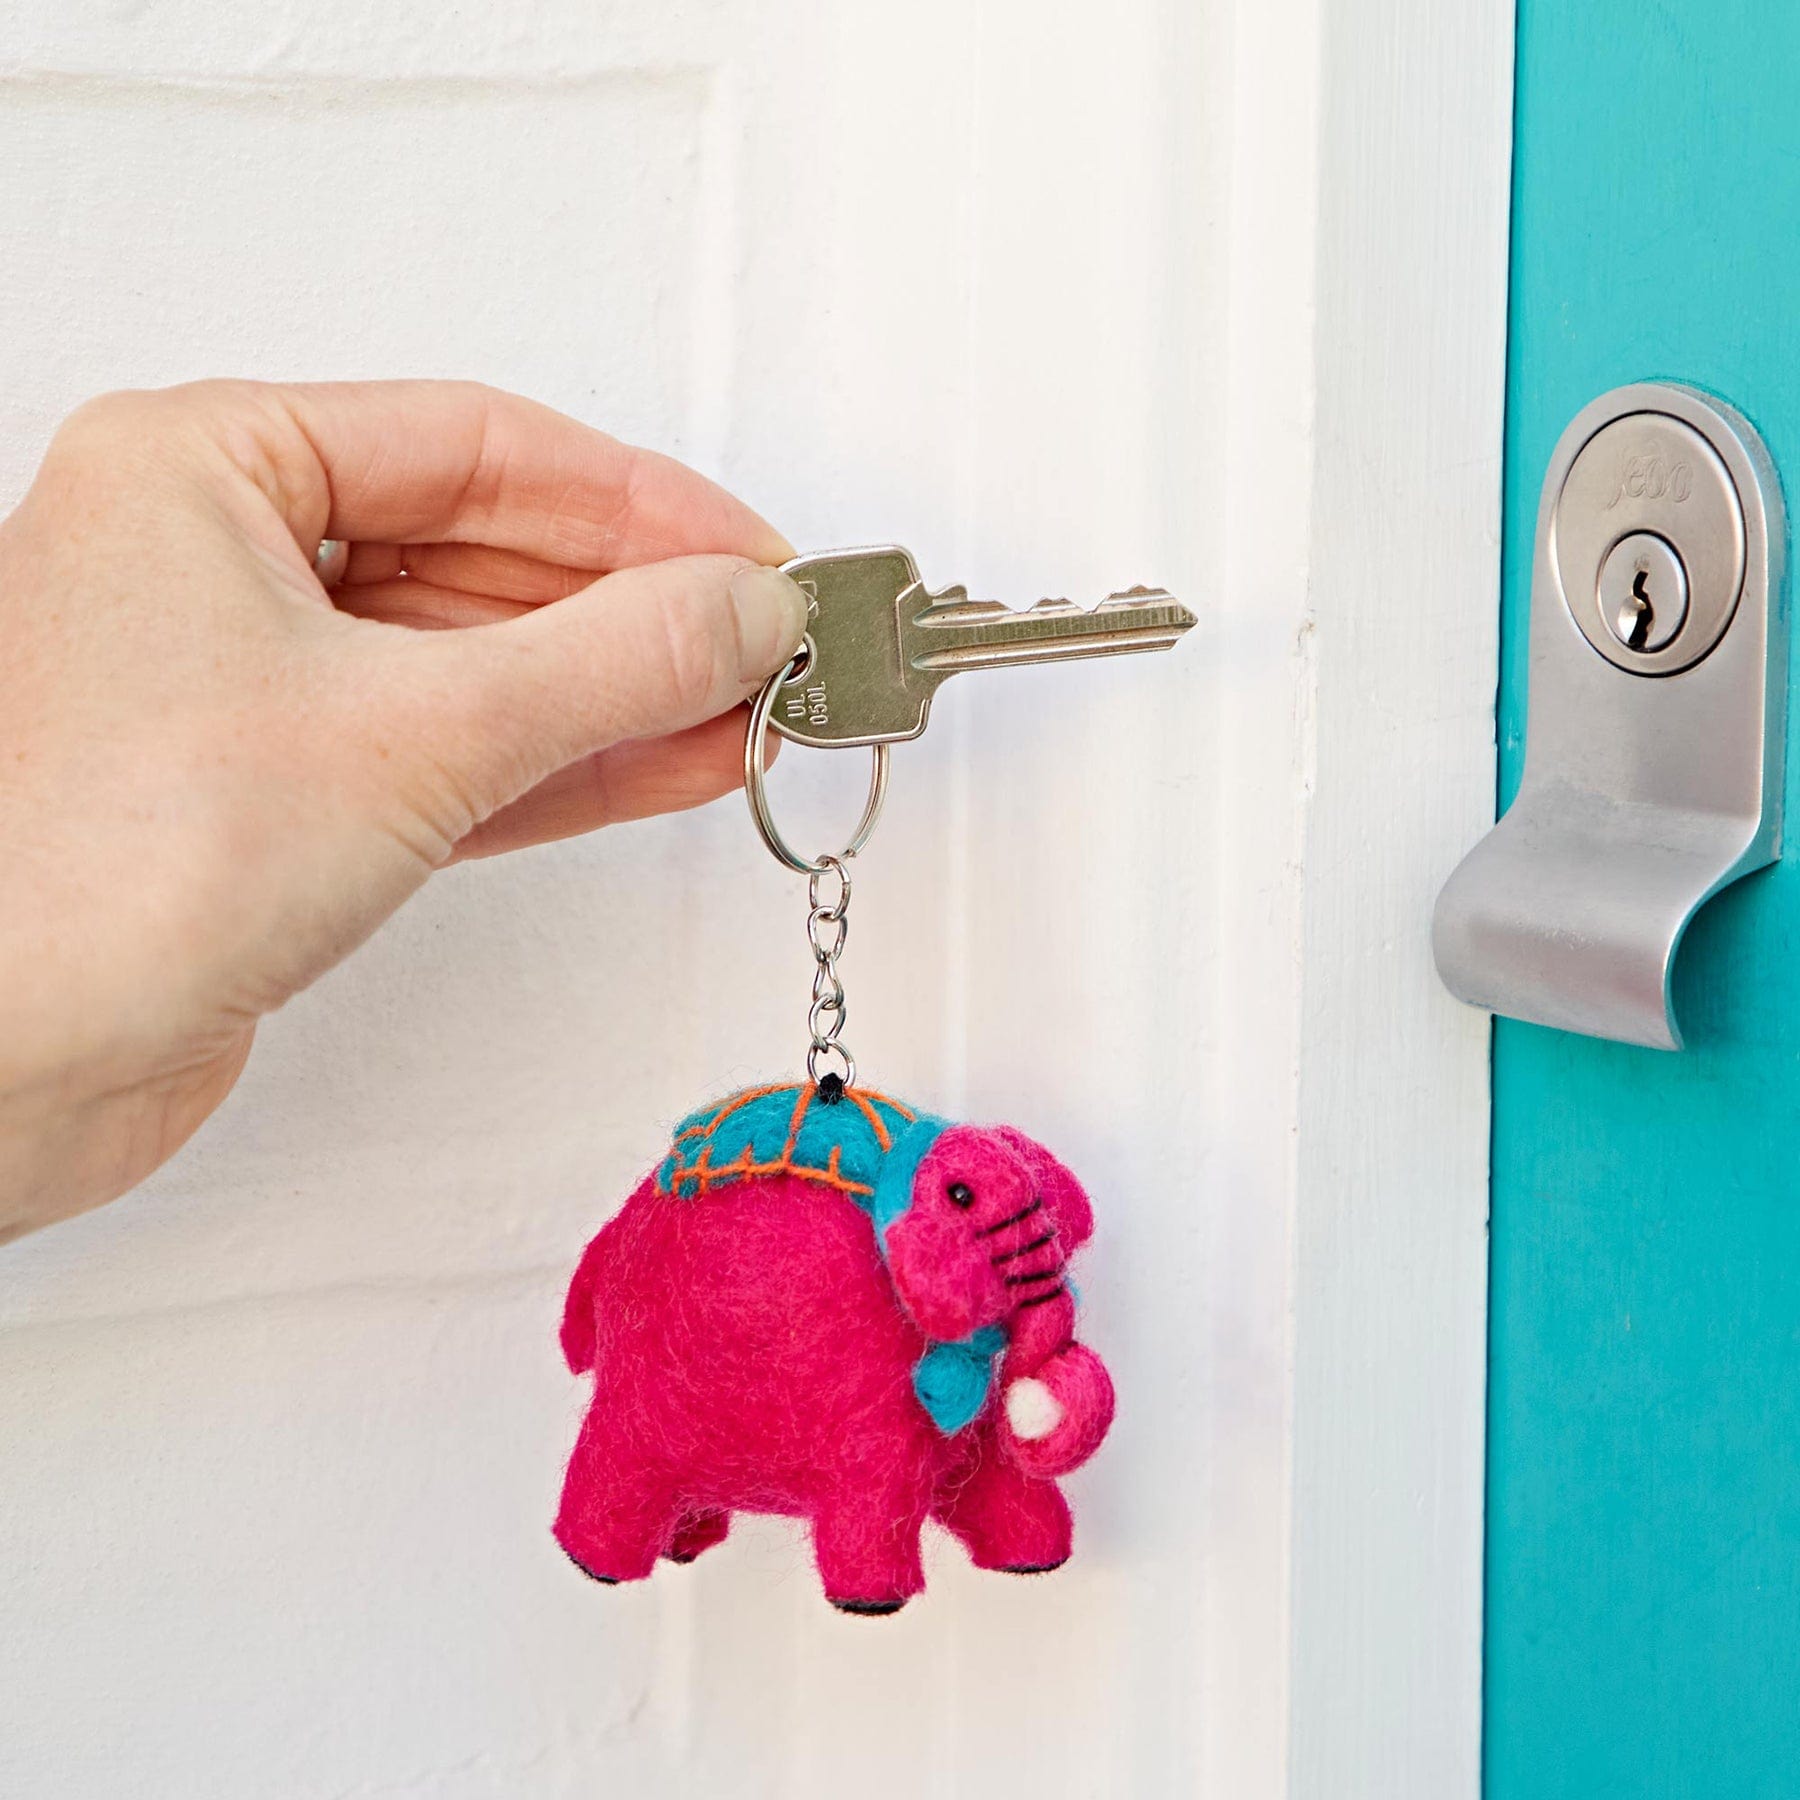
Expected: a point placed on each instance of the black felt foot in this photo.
(604, 1580)
(869, 1609)
(1032, 1568)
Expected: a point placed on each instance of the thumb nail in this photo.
(771, 620)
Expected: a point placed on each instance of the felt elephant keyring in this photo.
(822, 1302)
(825, 1304)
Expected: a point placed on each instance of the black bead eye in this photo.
(961, 1194)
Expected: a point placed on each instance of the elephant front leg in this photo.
(867, 1545)
(617, 1514)
(1005, 1518)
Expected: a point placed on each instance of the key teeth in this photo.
(952, 606)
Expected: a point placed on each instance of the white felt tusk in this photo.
(1031, 1409)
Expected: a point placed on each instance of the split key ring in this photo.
(756, 786)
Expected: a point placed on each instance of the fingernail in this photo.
(771, 620)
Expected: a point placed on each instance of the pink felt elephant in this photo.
(800, 1313)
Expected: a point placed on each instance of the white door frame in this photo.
(1400, 158)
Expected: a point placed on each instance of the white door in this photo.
(1061, 296)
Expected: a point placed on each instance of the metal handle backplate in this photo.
(1657, 720)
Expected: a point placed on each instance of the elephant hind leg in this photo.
(868, 1552)
(1006, 1519)
(696, 1534)
(617, 1514)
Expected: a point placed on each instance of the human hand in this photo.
(216, 779)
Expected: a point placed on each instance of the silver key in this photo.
(879, 646)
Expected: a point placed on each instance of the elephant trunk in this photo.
(1053, 1420)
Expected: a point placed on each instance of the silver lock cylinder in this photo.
(1648, 494)
(1656, 725)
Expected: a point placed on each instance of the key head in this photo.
(854, 690)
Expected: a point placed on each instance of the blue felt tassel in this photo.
(952, 1380)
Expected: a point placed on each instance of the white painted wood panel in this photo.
(1061, 298)
(1389, 1297)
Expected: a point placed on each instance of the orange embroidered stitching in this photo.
(883, 1136)
(799, 1118)
(731, 1106)
(704, 1180)
(702, 1176)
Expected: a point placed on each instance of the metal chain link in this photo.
(827, 928)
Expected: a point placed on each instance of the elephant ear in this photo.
(1065, 1197)
(893, 1193)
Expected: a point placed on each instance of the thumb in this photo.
(639, 654)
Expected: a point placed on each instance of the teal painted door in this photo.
(1643, 1565)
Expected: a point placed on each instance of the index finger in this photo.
(419, 462)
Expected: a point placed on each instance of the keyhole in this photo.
(1643, 597)
(1637, 616)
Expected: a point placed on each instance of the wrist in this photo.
(47, 1156)
(76, 1134)
(84, 1074)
